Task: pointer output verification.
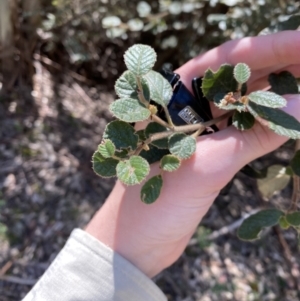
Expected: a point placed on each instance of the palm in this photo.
(162, 230)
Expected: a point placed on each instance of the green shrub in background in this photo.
(91, 35)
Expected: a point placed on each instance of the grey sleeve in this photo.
(87, 270)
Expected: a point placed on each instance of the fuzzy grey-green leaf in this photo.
(181, 145)
(277, 120)
(129, 110)
(151, 189)
(126, 86)
(160, 89)
(169, 163)
(132, 171)
(104, 167)
(140, 59)
(241, 73)
(267, 99)
(107, 148)
(121, 134)
(253, 225)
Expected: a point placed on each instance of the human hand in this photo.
(153, 236)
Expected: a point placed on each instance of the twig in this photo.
(5, 268)
(55, 65)
(287, 253)
(18, 280)
(140, 92)
(224, 230)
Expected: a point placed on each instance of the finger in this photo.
(258, 52)
(262, 82)
(221, 155)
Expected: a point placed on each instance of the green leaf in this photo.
(126, 86)
(181, 145)
(295, 163)
(140, 59)
(153, 128)
(160, 89)
(132, 171)
(241, 73)
(293, 218)
(151, 189)
(253, 225)
(104, 167)
(107, 148)
(170, 163)
(243, 120)
(221, 81)
(276, 179)
(283, 223)
(283, 83)
(121, 134)
(153, 154)
(267, 99)
(277, 120)
(129, 110)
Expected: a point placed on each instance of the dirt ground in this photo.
(48, 188)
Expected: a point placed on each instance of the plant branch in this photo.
(187, 128)
(161, 122)
(140, 92)
(169, 119)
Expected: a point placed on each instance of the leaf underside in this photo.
(132, 171)
(276, 119)
(129, 110)
(170, 163)
(241, 73)
(126, 86)
(106, 148)
(140, 59)
(181, 145)
(160, 89)
(267, 99)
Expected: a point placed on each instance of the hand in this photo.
(153, 236)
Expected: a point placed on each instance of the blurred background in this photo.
(59, 60)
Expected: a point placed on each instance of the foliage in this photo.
(144, 93)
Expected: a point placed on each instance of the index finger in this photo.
(257, 52)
